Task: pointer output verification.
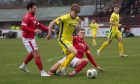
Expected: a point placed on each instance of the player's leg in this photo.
(37, 57)
(68, 59)
(66, 52)
(78, 64)
(120, 44)
(70, 56)
(55, 67)
(23, 67)
(106, 43)
(29, 57)
(103, 46)
(38, 63)
(67, 46)
(94, 38)
(70, 52)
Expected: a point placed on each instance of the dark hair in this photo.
(93, 18)
(30, 5)
(75, 7)
(116, 6)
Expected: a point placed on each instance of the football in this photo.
(91, 73)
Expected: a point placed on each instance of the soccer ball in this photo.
(91, 73)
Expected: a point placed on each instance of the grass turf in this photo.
(118, 70)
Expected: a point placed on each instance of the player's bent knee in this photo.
(35, 53)
(120, 39)
(75, 52)
(109, 41)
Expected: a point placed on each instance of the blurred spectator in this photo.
(132, 10)
(127, 32)
(54, 2)
(108, 12)
(13, 27)
(136, 5)
(124, 3)
(17, 27)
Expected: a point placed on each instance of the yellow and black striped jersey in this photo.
(115, 18)
(67, 26)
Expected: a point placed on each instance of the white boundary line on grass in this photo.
(48, 60)
(53, 58)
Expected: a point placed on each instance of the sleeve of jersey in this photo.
(61, 19)
(90, 58)
(87, 48)
(24, 26)
(97, 26)
(112, 18)
(90, 25)
(43, 27)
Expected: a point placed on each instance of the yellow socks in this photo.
(103, 45)
(94, 42)
(68, 60)
(120, 45)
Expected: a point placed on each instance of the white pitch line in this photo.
(53, 58)
(48, 60)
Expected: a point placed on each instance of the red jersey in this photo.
(82, 48)
(29, 24)
(80, 45)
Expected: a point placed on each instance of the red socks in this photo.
(28, 58)
(38, 62)
(80, 66)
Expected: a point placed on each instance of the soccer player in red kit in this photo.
(78, 62)
(29, 29)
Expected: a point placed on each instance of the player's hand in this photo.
(119, 25)
(48, 37)
(50, 73)
(37, 31)
(100, 69)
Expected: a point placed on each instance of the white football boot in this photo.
(23, 67)
(44, 74)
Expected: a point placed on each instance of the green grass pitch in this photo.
(118, 70)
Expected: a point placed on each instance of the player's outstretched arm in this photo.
(91, 59)
(42, 27)
(50, 30)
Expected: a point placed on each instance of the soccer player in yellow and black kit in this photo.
(67, 23)
(114, 32)
(94, 27)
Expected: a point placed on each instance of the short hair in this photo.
(116, 5)
(81, 29)
(30, 5)
(93, 19)
(75, 7)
